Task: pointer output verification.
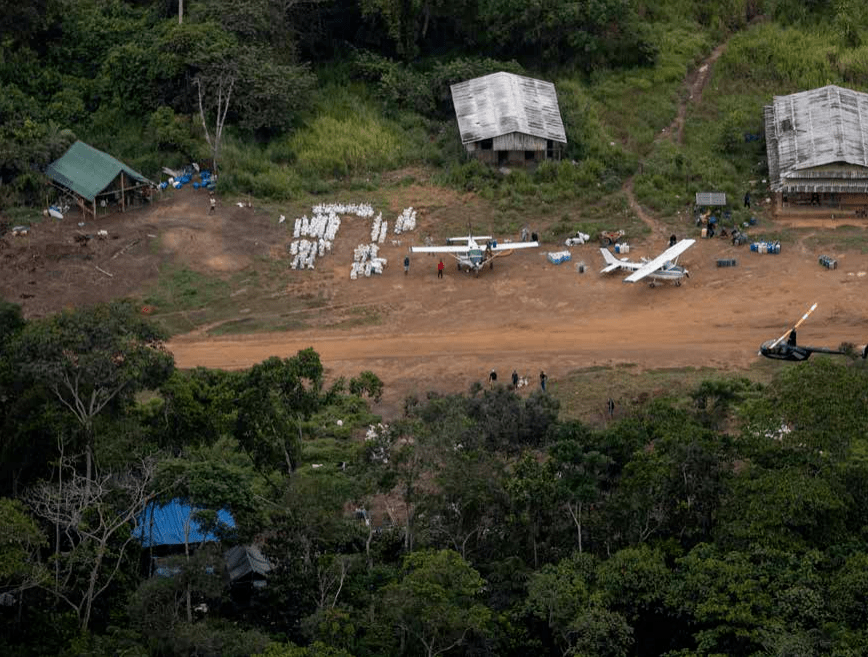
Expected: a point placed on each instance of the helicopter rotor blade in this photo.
(797, 325)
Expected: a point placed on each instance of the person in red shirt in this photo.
(440, 268)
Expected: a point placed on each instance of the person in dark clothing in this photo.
(747, 199)
(610, 407)
(406, 265)
(514, 379)
(440, 268)
(534, 237)
(542, 380)
(492, 378)
(673, 240)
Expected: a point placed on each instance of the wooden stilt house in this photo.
(817, 147)
(508, 119)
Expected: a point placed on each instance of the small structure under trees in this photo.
(817, 146)
(505, 118)
(95, 179)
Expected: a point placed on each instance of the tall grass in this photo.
(635, 104)
(345, 142)
(783, 59)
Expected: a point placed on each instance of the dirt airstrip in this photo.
(420, 333)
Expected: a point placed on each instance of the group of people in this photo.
(492, 379)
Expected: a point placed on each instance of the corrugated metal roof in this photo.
(814, 128)
(245, 559)
(710, 198)
(87, 171)
(501, 103)
(174, 524)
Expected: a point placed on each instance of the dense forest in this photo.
(731, 521)
(328, 95)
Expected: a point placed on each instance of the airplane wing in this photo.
(611, 267)
(650, 267)
(439, 249)
(508, 246)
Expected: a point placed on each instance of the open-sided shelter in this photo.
(93, 178)
(817, 146)
(505, 118)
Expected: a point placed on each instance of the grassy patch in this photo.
(180, 289)
(583, 396)
(361, 316)
(842, 238)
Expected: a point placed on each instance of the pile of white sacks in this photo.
(366, 261)
(313, 237)
(379, 229)
(406, 221)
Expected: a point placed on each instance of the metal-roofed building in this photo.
(246, 563)
(817, 146)
(505, 118)
(94, 178)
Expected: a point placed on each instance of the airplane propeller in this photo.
(797, 325)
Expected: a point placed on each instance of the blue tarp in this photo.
(172, 523)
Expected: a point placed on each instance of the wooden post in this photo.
(123, 194)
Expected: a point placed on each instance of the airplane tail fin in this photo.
(609, 258)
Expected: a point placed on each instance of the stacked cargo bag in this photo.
(828, 262)
(559, 257)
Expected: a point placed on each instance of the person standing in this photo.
(492, 378)
(747, 199)
(542, 380)
(440, 268)
(406, 265)
(213, 204)
(610, 407)
(515, 379)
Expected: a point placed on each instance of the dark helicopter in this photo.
(785, 347)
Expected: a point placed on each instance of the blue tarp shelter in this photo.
(175, 524)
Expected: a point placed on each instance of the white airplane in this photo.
(475, 252)
(662, 268)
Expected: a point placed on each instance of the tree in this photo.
(20, 540)
(96, 518)
(436, 601)
(533, 492)
(92, 359)
(218, 81)
(275, 397)
(733, 601)
(581, 476)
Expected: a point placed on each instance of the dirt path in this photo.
(695, 83)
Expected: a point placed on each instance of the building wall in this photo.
(514, 149)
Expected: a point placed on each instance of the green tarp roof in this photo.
(87, 171)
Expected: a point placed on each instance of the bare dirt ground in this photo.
(445, 334)
(425, 334)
